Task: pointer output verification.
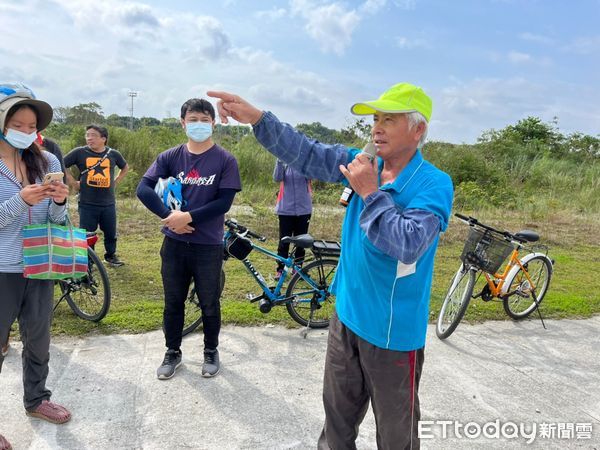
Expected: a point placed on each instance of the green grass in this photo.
(138, 297)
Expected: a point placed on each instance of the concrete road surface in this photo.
(492, 378)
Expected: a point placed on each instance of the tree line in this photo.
(529, 164)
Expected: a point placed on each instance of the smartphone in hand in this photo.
(52, 176)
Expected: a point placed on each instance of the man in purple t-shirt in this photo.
(205, 179)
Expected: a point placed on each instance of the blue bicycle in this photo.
(307, 297)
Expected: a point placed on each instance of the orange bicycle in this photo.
(521, 286)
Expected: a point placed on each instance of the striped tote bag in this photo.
(54, 252)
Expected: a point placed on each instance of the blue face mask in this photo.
(198, 131)
(20, 140)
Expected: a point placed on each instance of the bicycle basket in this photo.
(326, 248)
(238, 246)
(485, 251)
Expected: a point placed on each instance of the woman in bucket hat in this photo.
(390, 233)
(24, 200)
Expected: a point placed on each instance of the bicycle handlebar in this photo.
(241, 229)
(471, 221)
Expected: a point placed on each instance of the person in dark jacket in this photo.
(52, 147)
(294, 208)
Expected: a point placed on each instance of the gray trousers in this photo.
(356, 372)
(31, 302)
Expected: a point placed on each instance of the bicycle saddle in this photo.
(302, 240)
(527, 236)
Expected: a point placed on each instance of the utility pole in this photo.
(131, 94)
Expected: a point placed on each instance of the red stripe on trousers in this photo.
(412, 359)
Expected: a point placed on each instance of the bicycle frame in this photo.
(274, 295)
(485, 250)
(306, 298)
(496, 281)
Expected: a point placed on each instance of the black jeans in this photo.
(291, 226)
(182, 262)
(90, 216)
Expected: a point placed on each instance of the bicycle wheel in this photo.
(519, 299)
(89, 297)
(307, 303)
(456, 301)
(193, 312)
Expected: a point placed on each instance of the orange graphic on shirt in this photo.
(99, 176)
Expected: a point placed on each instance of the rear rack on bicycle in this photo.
(326, 248)
(486, 250)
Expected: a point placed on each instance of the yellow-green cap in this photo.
(400, 98)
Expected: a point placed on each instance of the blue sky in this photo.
(485, 63)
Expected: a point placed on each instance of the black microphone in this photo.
(371, 151)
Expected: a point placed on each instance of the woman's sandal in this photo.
(51, 412)
(4, 444)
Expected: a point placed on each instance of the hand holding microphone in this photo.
(362, 174)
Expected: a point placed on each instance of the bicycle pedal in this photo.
(254, 299)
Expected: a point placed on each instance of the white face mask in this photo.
(20, 140)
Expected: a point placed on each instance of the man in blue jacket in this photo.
(390, 233)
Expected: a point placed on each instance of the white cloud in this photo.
(330, 25)
(405, 4)
(110, 13)
(215, 42)
(185, 56)
(99, 51)
(298, 97)
(585, 45)
(462, 111)
(7, 8)
(271, 14)
(518, 57)
(411, 43)
(372, 6)
(538, 38)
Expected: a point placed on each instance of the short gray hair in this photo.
(415, 118)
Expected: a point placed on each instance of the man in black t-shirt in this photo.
(96, 163)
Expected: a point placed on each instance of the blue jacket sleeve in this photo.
(309, 157)
(402, 234)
